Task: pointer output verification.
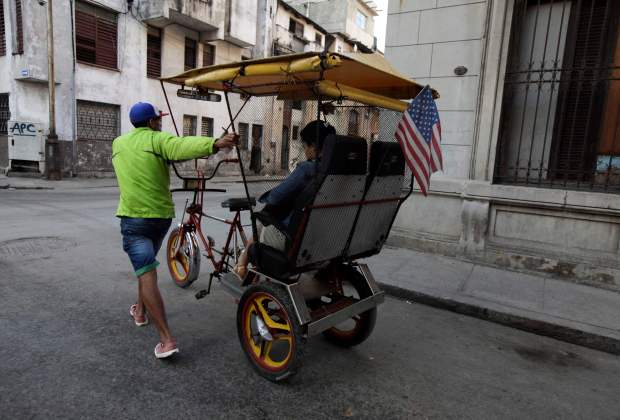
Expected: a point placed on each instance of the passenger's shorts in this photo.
(142, 239)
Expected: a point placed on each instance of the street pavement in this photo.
(69, 349)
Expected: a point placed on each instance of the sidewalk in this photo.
(567, 311)
(38, 183)
(32, 183)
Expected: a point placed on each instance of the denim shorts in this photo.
(142, 239)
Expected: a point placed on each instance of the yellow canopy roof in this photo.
(367, 78)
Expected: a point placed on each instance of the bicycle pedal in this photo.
(211, 241)
(201, 294)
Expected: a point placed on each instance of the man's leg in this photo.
(151, 298)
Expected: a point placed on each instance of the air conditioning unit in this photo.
(26, 146)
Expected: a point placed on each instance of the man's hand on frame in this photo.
(227, 141)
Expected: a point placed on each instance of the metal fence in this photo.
(560, 121)
(274, 146)
(5, 113)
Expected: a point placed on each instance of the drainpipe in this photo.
(74, 97)
(52, 155)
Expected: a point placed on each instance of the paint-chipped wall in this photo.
(123, 87)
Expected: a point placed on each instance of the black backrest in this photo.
(325, 212)
(381, 199)
(386, 158)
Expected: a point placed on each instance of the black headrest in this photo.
(344, 155)
(386, 158)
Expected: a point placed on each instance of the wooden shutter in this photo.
(610, 137)
(578, 121)
(85, 37)
(2, 31)
(153, 53)
(20, 27)
(96, 36)
(208, 55)
(106, 43)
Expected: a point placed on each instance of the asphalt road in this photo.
(69, 349)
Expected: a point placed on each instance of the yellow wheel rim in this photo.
(178, 260)
(271, 355)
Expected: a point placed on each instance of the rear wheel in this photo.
(269, 331)
(183, 257)
(358, 328)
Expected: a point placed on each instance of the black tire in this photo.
(364, 323)
(281, 312)
(184, 265)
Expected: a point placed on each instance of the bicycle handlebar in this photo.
(204, 178)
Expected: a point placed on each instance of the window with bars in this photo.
(208, 55)
(97, 121)
(189, 125)
(190, 53)
(206, 127)
(5, 112)
(2, 31)
(296, 28)
(560, 121)
(153, 52)
(18, 35)
(354, 118)
(244, 134)
(95, 35)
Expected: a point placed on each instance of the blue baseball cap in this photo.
(142, 112)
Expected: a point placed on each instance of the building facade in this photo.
(351, 19)
(283, 29)
(529, 107)
(109, 54)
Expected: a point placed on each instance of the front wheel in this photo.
(269, 332)
(183, 257)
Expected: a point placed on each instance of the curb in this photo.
(16, 187)
(545, 328)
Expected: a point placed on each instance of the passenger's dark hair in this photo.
(308, 134)
(141, 124)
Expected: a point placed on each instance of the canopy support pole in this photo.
(245, 183)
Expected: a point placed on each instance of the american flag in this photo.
(419, 135)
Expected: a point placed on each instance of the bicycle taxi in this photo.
(316, 284)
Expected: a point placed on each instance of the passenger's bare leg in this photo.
(151, 299)
(242, 263)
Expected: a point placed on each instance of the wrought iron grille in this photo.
(206, 127)
(189, 125)
(560, 121)
(97, 121)
(5, 113)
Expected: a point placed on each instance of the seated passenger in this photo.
(280, 201)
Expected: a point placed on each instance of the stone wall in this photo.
(571, 235)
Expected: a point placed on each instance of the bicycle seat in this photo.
(237, 204)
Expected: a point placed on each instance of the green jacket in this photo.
(140, 160)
